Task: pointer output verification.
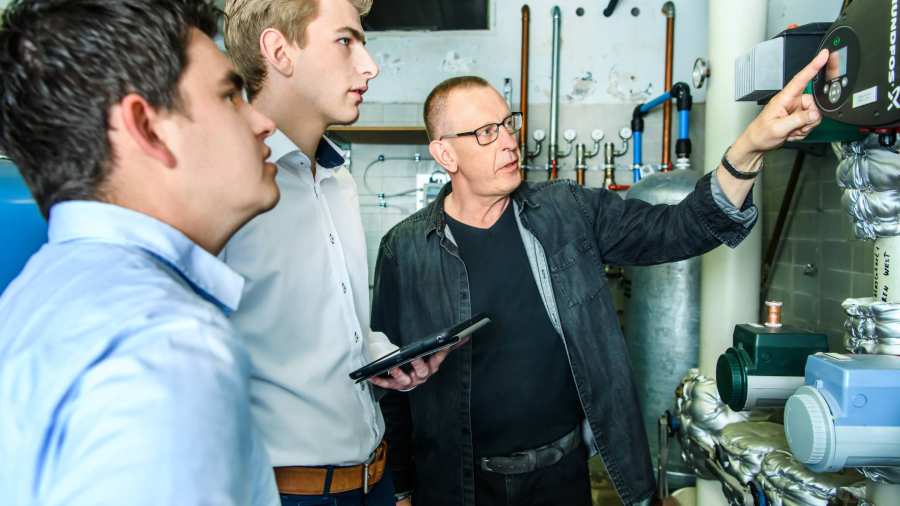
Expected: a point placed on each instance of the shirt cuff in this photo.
(380, 345)
(746, 217)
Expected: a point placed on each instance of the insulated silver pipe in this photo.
(554, 96)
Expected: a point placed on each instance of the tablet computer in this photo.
(427, 346)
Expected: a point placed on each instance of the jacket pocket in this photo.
(577, 271)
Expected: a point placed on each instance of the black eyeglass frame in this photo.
(482, 127)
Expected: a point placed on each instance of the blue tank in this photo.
(22, 228)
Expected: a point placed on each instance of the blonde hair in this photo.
(245, 21)
(436, 103)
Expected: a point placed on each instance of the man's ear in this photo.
(140, 119)
(444, 155)
(273, 47)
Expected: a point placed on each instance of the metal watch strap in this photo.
(736, 173)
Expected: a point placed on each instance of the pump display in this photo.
(860, 84)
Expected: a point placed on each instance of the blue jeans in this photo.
(382, 494)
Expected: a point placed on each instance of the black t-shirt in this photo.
(523, 392)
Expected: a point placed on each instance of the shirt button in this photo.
(356, 337)
(344, 287)
(331, 238)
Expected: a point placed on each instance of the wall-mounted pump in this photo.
(771, 64)
(847, 414)
(860, 84)
(765, 365)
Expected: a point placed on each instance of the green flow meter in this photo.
(765, 365)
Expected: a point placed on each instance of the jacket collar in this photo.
(521, 196)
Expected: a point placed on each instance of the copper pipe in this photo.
(523, 84)
(579, 177)
(669, 11)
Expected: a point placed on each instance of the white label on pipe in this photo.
(887, 269)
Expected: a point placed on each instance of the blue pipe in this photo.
(649, 106)
(683, 124)
(638, 156)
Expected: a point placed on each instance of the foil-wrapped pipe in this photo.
(890, 475)
(786, 482)
(867, 166)
(871, 230)
(744, 446)
(872, 327)
(882, 206)
(870, 177)
(702, 416)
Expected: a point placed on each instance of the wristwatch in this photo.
(402, 495)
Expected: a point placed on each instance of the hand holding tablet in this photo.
(420, 359)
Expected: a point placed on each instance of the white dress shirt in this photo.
(305, 314)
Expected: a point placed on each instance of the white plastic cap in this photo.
(808, 427)
(570, 135)
(625, 133)
(539, 135)
(597, 135)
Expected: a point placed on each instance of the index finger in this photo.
(798, 83)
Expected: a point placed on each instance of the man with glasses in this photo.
(513, 416)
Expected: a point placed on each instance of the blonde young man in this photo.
(305, 312)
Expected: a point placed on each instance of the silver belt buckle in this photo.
(366, 479)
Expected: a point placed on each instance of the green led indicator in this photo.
(836, 41)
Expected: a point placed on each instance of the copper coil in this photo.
(773, 313)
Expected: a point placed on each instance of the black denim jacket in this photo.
(421, 285)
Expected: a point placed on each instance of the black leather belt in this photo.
(538, 458)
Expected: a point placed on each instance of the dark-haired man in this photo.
(513, 416)
(121, 378)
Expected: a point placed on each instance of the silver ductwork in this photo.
(870, 177)
(745, 445)
(787, 482)
(872, 327)
(701, 417)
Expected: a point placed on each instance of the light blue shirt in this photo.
(121, 378)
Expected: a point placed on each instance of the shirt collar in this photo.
(328, 155)
(96, 221)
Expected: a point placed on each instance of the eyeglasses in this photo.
(491, 132)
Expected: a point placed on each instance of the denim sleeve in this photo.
(745, 216)
(634, 232)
